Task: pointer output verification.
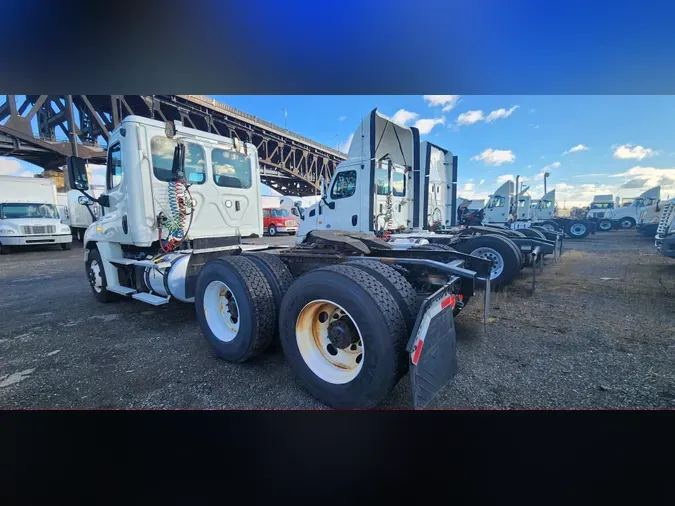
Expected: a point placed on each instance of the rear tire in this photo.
(505, 258)
(550, 226)
(278, 276)
(235, 308)
(399, 288)
(376, 321)
(578, 229)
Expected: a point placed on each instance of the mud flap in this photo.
(433, 347)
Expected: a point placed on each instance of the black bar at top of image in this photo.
(346, 47)
(494, 457)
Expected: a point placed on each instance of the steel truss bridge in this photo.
(289, 163)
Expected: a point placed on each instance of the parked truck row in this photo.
(371, 288)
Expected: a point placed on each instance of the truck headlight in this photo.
(7, 231)
(65, 230)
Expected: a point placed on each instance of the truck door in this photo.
(546, 207)
(343, 194)
(401, 208)
(115, 222)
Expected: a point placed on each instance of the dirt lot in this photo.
(580, 341)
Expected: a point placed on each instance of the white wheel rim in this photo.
(605, 225)
(272, 231)
(494, 256)
(548, 227)
(578, 229)
(95, 276)
(221, 311)
(327, 360)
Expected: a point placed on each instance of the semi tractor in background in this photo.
(353, 312)
(626, 217)
(76, 215)
(29, 214)
(665, 231)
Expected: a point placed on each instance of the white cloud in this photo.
(344, 147)
(9, 167)
(468, 187)
(548, 168)
(447, 101)
(342, 118)
(595, 174)
(495, 156)
(499, 114)
(534, 126)
(647, 177)
(504, 178)
(403, 117)
(426, 125)
(575, 149)
(628, 151)
(470, 117)
(481, 181)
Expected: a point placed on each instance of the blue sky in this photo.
(623, 144)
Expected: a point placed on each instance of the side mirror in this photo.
(178, 167)
(84, 201)
(77, 173)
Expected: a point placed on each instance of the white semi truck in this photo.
(665, 231)
(353, 312)
(29, 214)
(626, 217)
(77, 215)
(599, 208)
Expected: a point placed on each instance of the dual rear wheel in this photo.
(343, 328)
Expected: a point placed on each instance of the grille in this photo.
(38, 229)
(599, 215)
(290, 223)
(666, 219)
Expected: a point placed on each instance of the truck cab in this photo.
(601, 204)
(499, 209)
(545, 208)
(373, 189)
(648, 220)
(29, 214)
(627, 217)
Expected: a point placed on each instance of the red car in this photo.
(279, 220)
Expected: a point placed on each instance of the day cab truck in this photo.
(648, 220)
(665, 231)
(414, 184)
(29, 214)
(599, 208)
(626, 217)
(353, 312)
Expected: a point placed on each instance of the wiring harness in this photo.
(178, 224)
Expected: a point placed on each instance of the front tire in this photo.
(626, 223)
(96, 277)
(235, 308)
(5, 250)
(67, 245)
(344, 336)
(272, 230)
(605, 225)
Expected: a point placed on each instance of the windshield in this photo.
(9, 211)
(280, 213)
(608, 205)
(637, 202)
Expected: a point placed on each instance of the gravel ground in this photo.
(579, 342)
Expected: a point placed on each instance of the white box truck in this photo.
(29, 214)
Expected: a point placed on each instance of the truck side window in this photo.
(162, 150)
(498, 201)
(344, 185)
(231, 169)
(266, 213)
(114, 175)
(398, 184)
(382, 181)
